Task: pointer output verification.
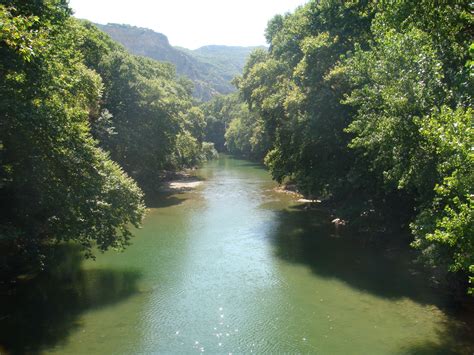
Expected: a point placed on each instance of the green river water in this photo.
(234, 267)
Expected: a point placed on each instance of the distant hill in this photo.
(211, 68)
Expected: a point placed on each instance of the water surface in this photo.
(234, 267)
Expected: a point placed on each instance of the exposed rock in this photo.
(305, 200)
(180, 185)
(339, 222)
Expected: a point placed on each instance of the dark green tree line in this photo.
(79, 118)
(153, 124)
(56, 183)
(233, 128)
(370, 101)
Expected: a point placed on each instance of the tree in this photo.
(368, 102)
(291, 90)
(56, 184)
(150, 111)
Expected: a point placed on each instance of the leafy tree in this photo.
(188, 151)
(147, 112)
(369, 101)
(208, 151)
(396, 82)
(299, 103)
(412, 126)
(232, 127)
(56, 184)
(245, 135)
(218, 112)
(444, 228)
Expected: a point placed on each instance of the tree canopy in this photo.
(371, 101)
(82, 121)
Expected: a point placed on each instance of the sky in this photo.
(191, 23)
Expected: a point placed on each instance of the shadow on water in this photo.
(42, 312)
(308, 238)
(163, 199)
(452, 343)
(252, 164)
(167, 195)
(384, 270)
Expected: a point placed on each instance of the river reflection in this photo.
(381, 276)
(42, 313)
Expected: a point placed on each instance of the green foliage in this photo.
(245, 135)
(76, 108)
(188, 150)
(150, 111)
(56, 184)
(218, 113)
(195, 122)
(16, 32)
(237, 137)
(232, 127)
(396, 82)
(299, 102)
(208, 151)
(210, 68)
(444, 228)
(370, 100)
(411, 90)
(471, 280)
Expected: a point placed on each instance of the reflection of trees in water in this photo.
(307, 238)
(42, 312)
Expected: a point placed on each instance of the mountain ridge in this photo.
(211, 68)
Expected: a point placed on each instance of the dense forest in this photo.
(366, 105)
(85, 128)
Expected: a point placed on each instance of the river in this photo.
(235, 267)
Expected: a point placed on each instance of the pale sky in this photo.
(191, 23)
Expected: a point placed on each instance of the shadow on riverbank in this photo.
(41, 313)
(383, 268)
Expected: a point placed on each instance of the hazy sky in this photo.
(191, 23)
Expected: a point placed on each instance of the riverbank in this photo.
(181, 181)
(292, 190)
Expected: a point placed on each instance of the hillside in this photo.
(210, 68)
